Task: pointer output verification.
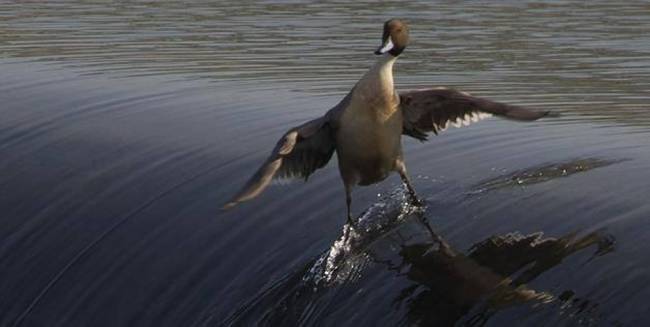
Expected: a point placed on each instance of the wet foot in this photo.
(417, 201)
(352, 222)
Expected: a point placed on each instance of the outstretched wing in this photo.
(298, 154)
(432, 110)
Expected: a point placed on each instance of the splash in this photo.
(346, 257)
(541, 174)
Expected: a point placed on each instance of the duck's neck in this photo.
(383, 70)
(377, 83)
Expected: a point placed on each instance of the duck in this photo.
(365, 129)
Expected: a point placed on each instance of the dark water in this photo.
(125, 126)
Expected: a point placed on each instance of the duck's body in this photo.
(371, 121)
(366, 127)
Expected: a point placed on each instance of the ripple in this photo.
(541, 174)
(125, 126)
(564, 52)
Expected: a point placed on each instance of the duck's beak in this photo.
(387, 46)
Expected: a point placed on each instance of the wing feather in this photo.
(433, 110)
(299, 152)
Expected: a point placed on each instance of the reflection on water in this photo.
(445, 286)
(490, 278)
(124, 124)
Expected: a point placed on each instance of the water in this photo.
(125, 126)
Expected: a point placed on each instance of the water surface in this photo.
(125, 126)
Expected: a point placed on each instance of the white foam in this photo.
(345, 258)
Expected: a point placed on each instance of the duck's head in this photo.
(395, 38)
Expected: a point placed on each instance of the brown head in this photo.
(395, 38)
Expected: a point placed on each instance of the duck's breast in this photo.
(369, 140)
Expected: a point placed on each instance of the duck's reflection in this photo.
(448, 287)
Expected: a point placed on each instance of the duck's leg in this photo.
(401, 169)
(348, 203)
